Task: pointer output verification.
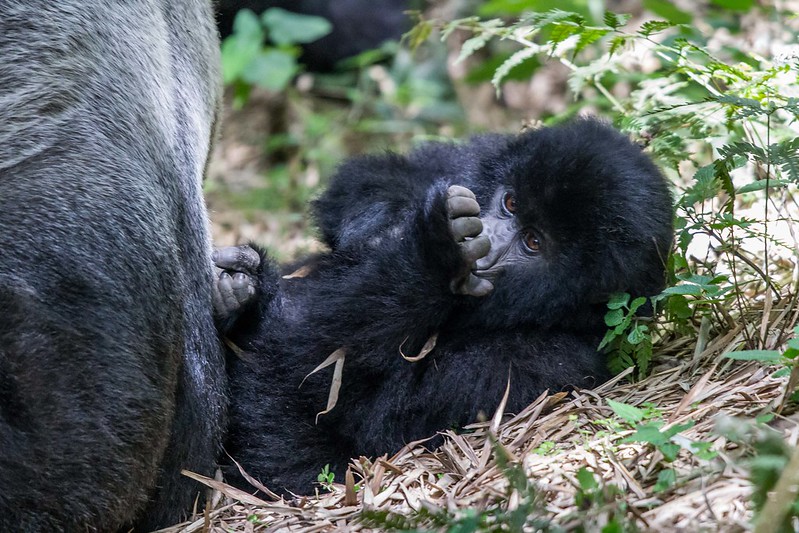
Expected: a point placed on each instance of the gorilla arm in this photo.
(376, 296)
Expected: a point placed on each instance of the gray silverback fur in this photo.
(111, 373)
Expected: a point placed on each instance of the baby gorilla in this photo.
(499, 253)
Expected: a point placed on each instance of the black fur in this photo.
(605, 212)
(111, 373)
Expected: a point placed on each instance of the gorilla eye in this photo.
(532, 242)
(509, 203)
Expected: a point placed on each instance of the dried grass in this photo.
(689, 385)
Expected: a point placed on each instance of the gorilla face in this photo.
(570, 225)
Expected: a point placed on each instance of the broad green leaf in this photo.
(586, 479)
(678, 306)
(694, 290)
(272, 70)
(614, 317)
(618, 300)
(628, 413)
(649, 433)
(287, 28)
(637, 303)
(237, 53)
(246, 24)
(666, 479)
(637, 335)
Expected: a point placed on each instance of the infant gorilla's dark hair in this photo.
(567, 216)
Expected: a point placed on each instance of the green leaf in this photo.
(637, 303)
(419, 34)
(588, 37)
(783, 372)
(246, 24)
(666, 479)
(618, 300)
(287, 28)
(470, 46)
(615, 20)
(617, 43)
(586, 479)
(273, 70)
(609, 336)
(677, 428)
(703, 450)
(654, 26)
(562, 31)
(637, 335)
(237, 53)
(513, 61)
(705, 186)
(649, 433)
(678, 305)
(766, 356)
(694, 290)
(760, 185)
(736, 5)
(669, 451)
(614, 317)
(628, 413)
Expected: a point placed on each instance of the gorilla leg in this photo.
(111, 373)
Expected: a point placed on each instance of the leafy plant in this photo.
(650, 428)
(628, 335)
(594, 497)
(326, 478)
(787, 360)
(263, 50)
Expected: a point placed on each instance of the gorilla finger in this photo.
(459, 206)
(242, 288)
(473, 286)
(465, 227)
(240, 258)
(476, 248)
(479, 287)
(227, 298)
(457, 190)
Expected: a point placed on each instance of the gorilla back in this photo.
(111, 374)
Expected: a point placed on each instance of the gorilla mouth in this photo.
(491, 273)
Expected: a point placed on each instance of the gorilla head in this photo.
(574, 214)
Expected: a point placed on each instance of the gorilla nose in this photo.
(500, 234)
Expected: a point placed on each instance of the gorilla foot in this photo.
(463, 212)
(235, 287)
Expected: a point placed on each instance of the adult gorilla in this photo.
(111, 374)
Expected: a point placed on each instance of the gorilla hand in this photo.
(235, 288)
(463, 213)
